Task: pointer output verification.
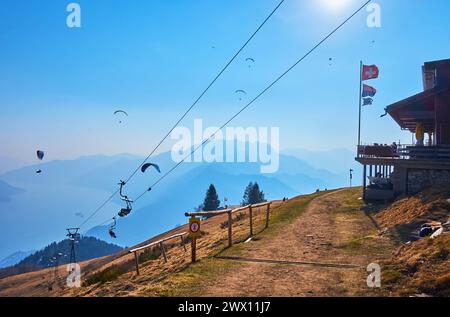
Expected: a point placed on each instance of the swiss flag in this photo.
(370, 72)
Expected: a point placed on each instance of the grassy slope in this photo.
(423, 266)
(352, 233)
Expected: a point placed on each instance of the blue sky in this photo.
(59, 87)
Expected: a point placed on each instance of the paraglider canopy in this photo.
(147, 165)
(240, 92)
(120, 112)
(40, 154)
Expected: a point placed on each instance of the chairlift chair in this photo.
(111, 229)
(124, 211)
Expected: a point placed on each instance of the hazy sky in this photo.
(59, 87)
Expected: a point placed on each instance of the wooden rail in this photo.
(230, 222)
(207, 213)
(161, 247)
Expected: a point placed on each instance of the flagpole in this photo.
(360, 94)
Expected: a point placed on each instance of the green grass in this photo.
(357, 244)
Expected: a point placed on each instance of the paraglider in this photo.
(241, 93)
(120, 112)
(250, 61)
(147, 165)
(40, 155)
(330, 60)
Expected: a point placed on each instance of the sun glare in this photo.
(334, 4)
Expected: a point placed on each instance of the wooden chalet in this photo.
(394, 169)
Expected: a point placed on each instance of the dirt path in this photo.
(281, 265)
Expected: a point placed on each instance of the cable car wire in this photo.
(189, 109)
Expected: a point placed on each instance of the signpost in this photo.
(194, 233)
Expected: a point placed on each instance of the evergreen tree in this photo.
(211, 201)
(253, 195)
(246, 198)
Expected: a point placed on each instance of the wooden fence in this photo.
(229, 224)
(230, 212)
(160, 243)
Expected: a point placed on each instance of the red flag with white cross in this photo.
(370, 72)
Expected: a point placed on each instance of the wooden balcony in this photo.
(410, 156)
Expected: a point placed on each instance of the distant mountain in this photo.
(230, 180)
(9, 164)
(14, 258)
(65, 188)
(336, 161)
(62, 172)
(7, 191)
(87, 248)
(51, 200)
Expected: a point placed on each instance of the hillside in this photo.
(423, 266)
(86, 248)
(315, 245)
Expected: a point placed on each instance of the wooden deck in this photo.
(405, 162)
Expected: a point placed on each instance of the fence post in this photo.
(193, 249)
(230, 233)
(251, 220)
(137, 263)
(267, 215)
(163, 251)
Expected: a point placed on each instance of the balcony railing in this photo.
(411, 152)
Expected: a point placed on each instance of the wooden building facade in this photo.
(393, 170)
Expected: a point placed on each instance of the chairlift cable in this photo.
(189, 109)
(256, 98)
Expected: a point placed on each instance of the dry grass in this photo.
(118, 277)
(405, 216)
(422, 267)
(337, 227)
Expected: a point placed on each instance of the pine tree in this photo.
(246, 198)
(253, 195)
(211, 201)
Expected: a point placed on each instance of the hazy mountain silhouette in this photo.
(14, 258)
(7, 191)
(9, 164)
(52, 199)
(168, 211)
